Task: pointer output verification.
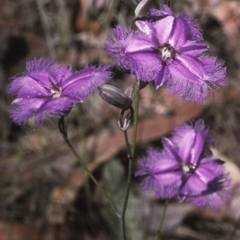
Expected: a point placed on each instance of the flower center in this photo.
(188, 168)
(56, 92)
(167, 52)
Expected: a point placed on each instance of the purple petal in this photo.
(145, 66)
(44, 69)
(145, 27)
(215, 71)
(212, 166)
(162, 77)
(207, 186)
(25, 109)
(84, 82)
(40, 108)
(186, 23)
(26, 87)
(178, 34)
(144, 24)
(138, 44)
(39, 79)
(192, 187)
(161, 173)
(172, 149)
(192, 48)
(134, 52)
(165, 172)
(192, 28)
(170, 30)
(158, 14)
(192, 78)
(192, 141)
(187, 67)
(164, 29)
(213, 199)
(192, 147)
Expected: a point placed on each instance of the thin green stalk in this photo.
(131, 158)
(158, 236)
(65, 137)
(85, 154)
(127, 143)
(135, 123)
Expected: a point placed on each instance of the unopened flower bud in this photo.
(125, 118)
(142, 8)
(125, 125)
(114, 96)
(130, 91)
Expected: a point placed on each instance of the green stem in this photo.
(65, 137)
(131, 158)
(135, 123)
(128, 145)
(158, 236)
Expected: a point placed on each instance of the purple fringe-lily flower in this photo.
(48, 89)
(167, 49)
(184, 168)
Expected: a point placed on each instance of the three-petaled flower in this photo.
(185, 168)
(48, 89)
(168, 50)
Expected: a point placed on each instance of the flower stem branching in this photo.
(63, 131)
(131, 153)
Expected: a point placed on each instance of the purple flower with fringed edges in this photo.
(48, 89)
(167, 49)
(185, 168)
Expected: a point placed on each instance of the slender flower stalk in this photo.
(131, 156)
(135, 123)
(63, 131)
(158, 236)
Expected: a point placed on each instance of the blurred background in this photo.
(44, 194)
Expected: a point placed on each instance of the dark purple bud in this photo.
(114, 96)
(125, 118)
(130, 91)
